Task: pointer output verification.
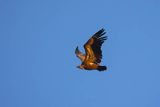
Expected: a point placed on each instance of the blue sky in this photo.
(38, 64)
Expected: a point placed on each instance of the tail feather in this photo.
(101, 68)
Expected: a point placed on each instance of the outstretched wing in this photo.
(79, 54)
(93, 46)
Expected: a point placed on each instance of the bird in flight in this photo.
(93, 54)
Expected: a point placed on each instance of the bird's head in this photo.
(80, 67)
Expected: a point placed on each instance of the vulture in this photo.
(93, 54)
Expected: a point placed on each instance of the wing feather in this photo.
(79, 54)
(93, 46)
(98, 41)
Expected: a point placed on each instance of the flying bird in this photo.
(93, 54)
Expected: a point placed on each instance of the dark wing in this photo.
(79, 54)
(93, 46)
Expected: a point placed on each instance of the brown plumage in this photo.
(93, 54)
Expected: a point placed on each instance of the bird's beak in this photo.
(80, 67)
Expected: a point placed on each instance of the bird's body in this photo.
(93, 54)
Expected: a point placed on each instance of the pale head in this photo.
(80, 67)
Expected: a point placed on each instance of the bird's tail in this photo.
(101, 68)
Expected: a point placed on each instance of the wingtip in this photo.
(102, 29)
(76, 50)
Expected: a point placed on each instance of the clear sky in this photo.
(38, 64)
